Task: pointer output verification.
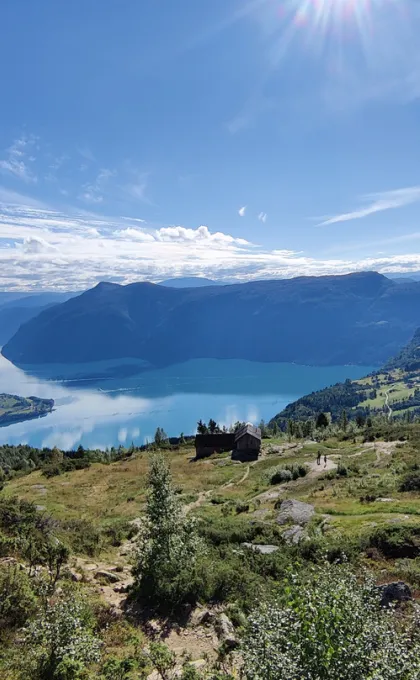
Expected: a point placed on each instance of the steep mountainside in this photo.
(359, 318)
(395, 390)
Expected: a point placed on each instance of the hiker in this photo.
(325, 460)
(318, 458)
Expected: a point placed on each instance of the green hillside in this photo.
(394, 391)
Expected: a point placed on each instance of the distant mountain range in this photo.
(17, 308)
(361, 318)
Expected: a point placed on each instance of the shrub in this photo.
(61, 641)
(329, 626)
(285, 473)
(396, 541)
(17, 599)
(410, 482)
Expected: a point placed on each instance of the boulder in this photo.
(261, 548)
(294, 535)
(398, 591)
(226, 632)
(108, 576)
(295, 512)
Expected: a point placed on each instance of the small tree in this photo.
(322, 421)
(344, 421)
(213, 427)
(160, 436)
(202, 428)
(168, 544)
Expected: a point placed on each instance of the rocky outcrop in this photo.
(261, 548)
(398, 591)
(226, 632)
(108, 576)
(295, 512)
(294, 535)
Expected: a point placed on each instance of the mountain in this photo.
(189, 282)
(394, 389)
(361, 318)
(17, 311)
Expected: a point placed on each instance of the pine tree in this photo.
(168, 544)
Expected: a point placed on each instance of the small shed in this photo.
(247, 443)
(207, 444)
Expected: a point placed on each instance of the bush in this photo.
(329, 626)
(285, 473)
(411, 482)
(17, 599)
(396, 541)
(61, 641)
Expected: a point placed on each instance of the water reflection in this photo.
(110, 403)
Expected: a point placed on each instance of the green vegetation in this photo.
(211, 537)
(14, 409)
(329, 625)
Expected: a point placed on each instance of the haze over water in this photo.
(107, 404)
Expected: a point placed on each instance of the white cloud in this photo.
(262, 217)
(35, 244)
(242, 211)
(202, 234)
(75, 251)
(17, 161)
(136, 234)
(386, 200)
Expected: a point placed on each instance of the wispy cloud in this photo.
(94, 192)
(242, 211)
(263, 217)
(19, 159)
(87, 154)
(379, 202)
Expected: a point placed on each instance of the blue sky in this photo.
(225, 138)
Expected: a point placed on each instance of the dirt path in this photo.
(316, 469)
(388, 405)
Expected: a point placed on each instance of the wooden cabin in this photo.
(245, 444)
(207, 444)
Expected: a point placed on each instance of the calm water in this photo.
(106, 404)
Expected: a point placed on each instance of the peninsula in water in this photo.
(14, 409)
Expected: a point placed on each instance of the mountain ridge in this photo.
(361, 318)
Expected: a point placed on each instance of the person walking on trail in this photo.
(318, 458)
(325, 460)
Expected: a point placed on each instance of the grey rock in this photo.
(107, 576)
(295, 512)
(294, 535)
(263, 549)
(226, 631)
(123, 588)
(398, 591)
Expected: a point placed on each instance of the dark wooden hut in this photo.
(207, 444)
(247, 443)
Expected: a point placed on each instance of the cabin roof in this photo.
(248, 429)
